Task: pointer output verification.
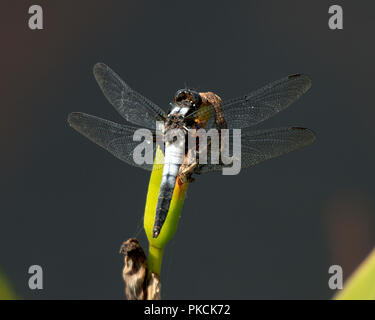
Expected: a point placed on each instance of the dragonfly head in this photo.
(183, 108)
(188, 98)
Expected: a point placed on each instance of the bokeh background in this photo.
(271, 232)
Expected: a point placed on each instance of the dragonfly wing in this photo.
(261, 145)
(265, 102)
(131, 105)
(113, 137)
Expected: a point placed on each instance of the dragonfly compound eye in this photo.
(195, 99)
(180, 95)
(188, 96)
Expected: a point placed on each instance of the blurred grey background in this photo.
(271, 232)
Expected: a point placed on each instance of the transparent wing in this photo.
(113, 137)
(261, 145)
(131, 105)
(265, 102)
(261, 104)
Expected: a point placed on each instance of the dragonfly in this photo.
(192, 109)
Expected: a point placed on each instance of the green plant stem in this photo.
(361, 284)
(157, 245)
(154, 260)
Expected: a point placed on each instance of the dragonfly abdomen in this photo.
(162, 208)
(173, 159)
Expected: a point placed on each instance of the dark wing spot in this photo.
(294, 75)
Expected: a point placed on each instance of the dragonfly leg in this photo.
(187, 172)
